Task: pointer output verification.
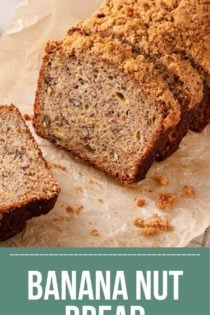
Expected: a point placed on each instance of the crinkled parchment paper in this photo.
(108, 207)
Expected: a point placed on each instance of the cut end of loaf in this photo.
(27, 187)
(94, 109)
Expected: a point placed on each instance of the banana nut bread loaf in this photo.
(27, 187)
(182, 26)
(104, 103)
(122, 20)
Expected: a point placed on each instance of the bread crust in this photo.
(123, 19)
(77, 45)
(183, 26)
(13, 218)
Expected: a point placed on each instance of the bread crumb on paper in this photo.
(189, 191)
(95, 232)
(138, 222)
(166, 201)
(140, 202)
(162, 180)
(100, 200)
(153, 225)
(69, 209)
(149, 231)
(77, 210)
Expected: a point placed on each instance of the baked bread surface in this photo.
(27, 188)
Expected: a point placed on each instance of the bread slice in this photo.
(183, 26)
(27, 187)
(104, 103)
(122, 20)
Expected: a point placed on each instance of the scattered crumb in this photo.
(149, 231)
(95, 232)
(27, 117)
(158, 222)
(76, 211)
(162, 180)
(56, 165)
(79, 210)
(138, 222)
(189, 191)
(140, 202)
(165, 201)
(155, 224)
(164, 225)
(91, 182)
(79, 189)
(100, 200)
(69, 209)
(152, 225)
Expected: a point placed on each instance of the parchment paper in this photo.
(107, 206)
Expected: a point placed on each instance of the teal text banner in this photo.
(105, 281)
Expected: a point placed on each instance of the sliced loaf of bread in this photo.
(182, 26)
(27, 187)
(122, 20)
(105, 103)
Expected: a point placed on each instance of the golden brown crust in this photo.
(125, 20)
(139, 170)
(136, 67)
(184, 24)
(192, 86)
(14, 221)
